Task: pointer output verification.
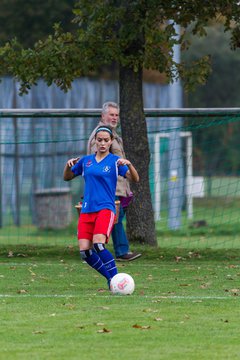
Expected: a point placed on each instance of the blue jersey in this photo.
(100, 181)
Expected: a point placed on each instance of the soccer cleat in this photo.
(129, 256)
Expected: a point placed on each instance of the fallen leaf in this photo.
(104, 330)
(204, 286)
(158, 319)
(32, 273)
(142, 327)
(150, 277)
(101, 290)
(178, 258)
(36, 332)
(234, 290)
(70, 306)
(22, 291)
(194, 254)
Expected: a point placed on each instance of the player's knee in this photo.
(99, 247)
(85, 253)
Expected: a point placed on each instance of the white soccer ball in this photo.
(122, 284)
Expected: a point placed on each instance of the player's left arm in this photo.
(67, 172)
(132, 173)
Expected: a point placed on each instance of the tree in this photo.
(133, 34)
(32, 20)
(222, 86)
(216, 146)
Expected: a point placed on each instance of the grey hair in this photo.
(108, 104)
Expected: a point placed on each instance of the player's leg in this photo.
(103, 226)
(85, 235)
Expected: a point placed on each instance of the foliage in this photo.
(134, 34)
(221, 88)
(32, 20)
(216, 147)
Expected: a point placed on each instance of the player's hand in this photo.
(123, 162)
(72, 161)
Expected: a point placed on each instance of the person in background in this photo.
(110, 117)
(100, 172)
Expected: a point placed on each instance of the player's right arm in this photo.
(67, 173)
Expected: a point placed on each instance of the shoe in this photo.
(129, 256)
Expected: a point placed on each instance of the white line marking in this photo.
(192, 298)
(35, 296)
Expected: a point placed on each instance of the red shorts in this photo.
(100, 222)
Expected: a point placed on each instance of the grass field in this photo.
(185, 306)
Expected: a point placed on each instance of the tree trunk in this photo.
(140, 216)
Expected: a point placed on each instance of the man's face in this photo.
(111, 118)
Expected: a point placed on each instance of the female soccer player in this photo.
(100, 172)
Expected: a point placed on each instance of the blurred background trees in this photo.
(221, 153)
(222, 86)
(32, 20)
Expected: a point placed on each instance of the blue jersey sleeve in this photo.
(122, 169)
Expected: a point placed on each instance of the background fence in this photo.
(195, 195)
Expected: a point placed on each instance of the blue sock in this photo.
(107, 258)
(92, 258)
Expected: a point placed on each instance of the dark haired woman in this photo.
(100, 172)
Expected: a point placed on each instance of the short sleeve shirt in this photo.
(100, 181)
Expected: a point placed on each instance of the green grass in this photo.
(185, 306)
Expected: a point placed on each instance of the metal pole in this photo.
(157, 177)
(1, 184)
(175, 163)
(149, 112)
(16, 205)
(189, 177)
